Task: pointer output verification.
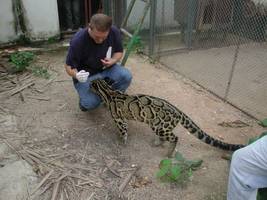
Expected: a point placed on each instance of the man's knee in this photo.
(127, 76)
(124, 73)
(89, 104)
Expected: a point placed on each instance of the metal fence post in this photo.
(107, 7)
(131, 43)
(190, 22)
(152, 24)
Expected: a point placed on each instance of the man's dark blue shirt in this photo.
(85, 54)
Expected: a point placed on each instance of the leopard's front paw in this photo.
(156, 142)
(124, 139)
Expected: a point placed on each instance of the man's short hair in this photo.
(100, 22)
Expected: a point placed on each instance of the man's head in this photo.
(99, 27)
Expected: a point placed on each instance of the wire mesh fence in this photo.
(219, 44)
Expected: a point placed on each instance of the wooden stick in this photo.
(21, 88)
(91, 183)
(8, 144)
(126, 181)
(66, 193)
(39, 98)
(22, 96)
(42, 182)
(33, 153)
(91, 196)
(126, 169)
(42, 191)
(61, 107)
(36, 160)
(56, 158)
(55, 190)
(3, 109)
(62, 176)
(109, 165)
(49, 82)
(78, 177)
(73, 186)
(78, 166)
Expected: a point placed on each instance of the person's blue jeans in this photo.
(120, 76)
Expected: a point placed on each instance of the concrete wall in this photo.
(7, 22)
(41, 20)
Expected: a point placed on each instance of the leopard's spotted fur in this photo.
(159, 114)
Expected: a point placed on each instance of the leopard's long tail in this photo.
(194, 129)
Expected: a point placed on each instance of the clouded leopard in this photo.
(159, 114)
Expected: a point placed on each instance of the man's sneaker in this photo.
(82, 108)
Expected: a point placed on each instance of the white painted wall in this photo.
(7, 30)
(41, 18)
(165, 18)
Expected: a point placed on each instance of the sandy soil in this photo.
(57, 125)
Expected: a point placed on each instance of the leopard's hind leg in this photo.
(167, 135)
(123, 128)
(173, 139)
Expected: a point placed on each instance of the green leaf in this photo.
(190, 173)
(251, 140)
(175, 172)
(179, 156)
(262, 194)
(263, 123)
(193, 164)
(165, 162)
(164, 166)
(21, 60)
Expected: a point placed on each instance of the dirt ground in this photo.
(54, 124)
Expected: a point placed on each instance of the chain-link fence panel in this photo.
(219, 44)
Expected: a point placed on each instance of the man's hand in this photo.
(108, 62)
(82, 76)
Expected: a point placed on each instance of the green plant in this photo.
(138, 45)
(178, 170)
(53, 39)
(262, 194)
(23, 40)
(40, 71)
(251, 140)
(21, 60)
(263, 122)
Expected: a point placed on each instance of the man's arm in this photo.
(71, 72)
(115, 58)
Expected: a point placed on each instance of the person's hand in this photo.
(82, 76)
(108, 62)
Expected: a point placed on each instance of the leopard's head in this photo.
(102, 88)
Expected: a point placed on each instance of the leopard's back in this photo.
(161, 116)
(150, 110)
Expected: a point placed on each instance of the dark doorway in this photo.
(75, 14)
(92, 7)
